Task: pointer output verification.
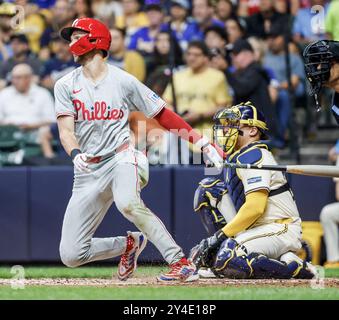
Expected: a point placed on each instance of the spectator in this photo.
(143, 39)
(83, 9)
(275, 59)
(304, 32)
(60, 64)
(132, 19)
(21, 54)
(62, 15)
(248, 7)
(260, 47)
(219, 59)
(26, 105)
(183, 27)
(203, 12)
(33, 24)
(215, 37)
(200, 90)
(250, 82)
(7, 12)
(235, 29)
(159, 73)
(259, 24)
(224, 9)
(329, 218)
(128, 60)
(331, 21)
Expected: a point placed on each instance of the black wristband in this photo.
(74, 152)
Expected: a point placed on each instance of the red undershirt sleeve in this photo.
(174, 123)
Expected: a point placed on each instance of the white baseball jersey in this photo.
(280, 206)
(101, 110)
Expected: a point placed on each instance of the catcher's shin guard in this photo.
(299, 268)
(206, 198)
(232, 261)
(266, 268)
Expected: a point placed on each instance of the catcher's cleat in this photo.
(331, 264)
(206, 273)
(136, 243)
(183, 270)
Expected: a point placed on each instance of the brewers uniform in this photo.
(100, 112)
(278, 230)
(257, 233)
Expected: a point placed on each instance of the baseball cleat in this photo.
(136, 243)
(206, 273)
(183, 270)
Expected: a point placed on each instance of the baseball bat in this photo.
(307, 170)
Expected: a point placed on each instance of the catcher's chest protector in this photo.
(249, 154)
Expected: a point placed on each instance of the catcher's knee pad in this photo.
(206, 198)
(232, 261)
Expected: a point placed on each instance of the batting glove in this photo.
(80, 162)
(210, 153)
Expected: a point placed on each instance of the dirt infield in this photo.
(152, 282)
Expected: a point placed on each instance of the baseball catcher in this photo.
(252, 213)
(322, 69)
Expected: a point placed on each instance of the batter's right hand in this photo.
(80, 162)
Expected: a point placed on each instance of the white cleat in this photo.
(206, 273)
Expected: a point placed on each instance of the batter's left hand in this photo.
(212, 156)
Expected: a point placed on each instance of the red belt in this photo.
(123, 147)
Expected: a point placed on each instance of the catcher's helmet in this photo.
(227, 124)
(318, 57)
(98, 36)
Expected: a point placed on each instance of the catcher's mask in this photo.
(226, 128)
(318, 58)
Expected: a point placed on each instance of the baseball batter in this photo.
(258, 228)
(92, 107)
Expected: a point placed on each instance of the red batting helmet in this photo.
(98, 36)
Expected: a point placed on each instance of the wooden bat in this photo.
(307, 170)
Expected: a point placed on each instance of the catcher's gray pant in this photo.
(118, 178)
(329, 218)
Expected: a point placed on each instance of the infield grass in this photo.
(150, 292)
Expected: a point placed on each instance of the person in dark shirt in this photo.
(259, 24)
(183, 27)
(143, 39)
(21, 54)
(60, 64)
(62, 15)
(250, 82)
(203, 14)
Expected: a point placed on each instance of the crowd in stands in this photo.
(220, 53)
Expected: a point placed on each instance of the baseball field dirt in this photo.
(98, 283)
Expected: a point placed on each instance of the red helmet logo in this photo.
(97, 37)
